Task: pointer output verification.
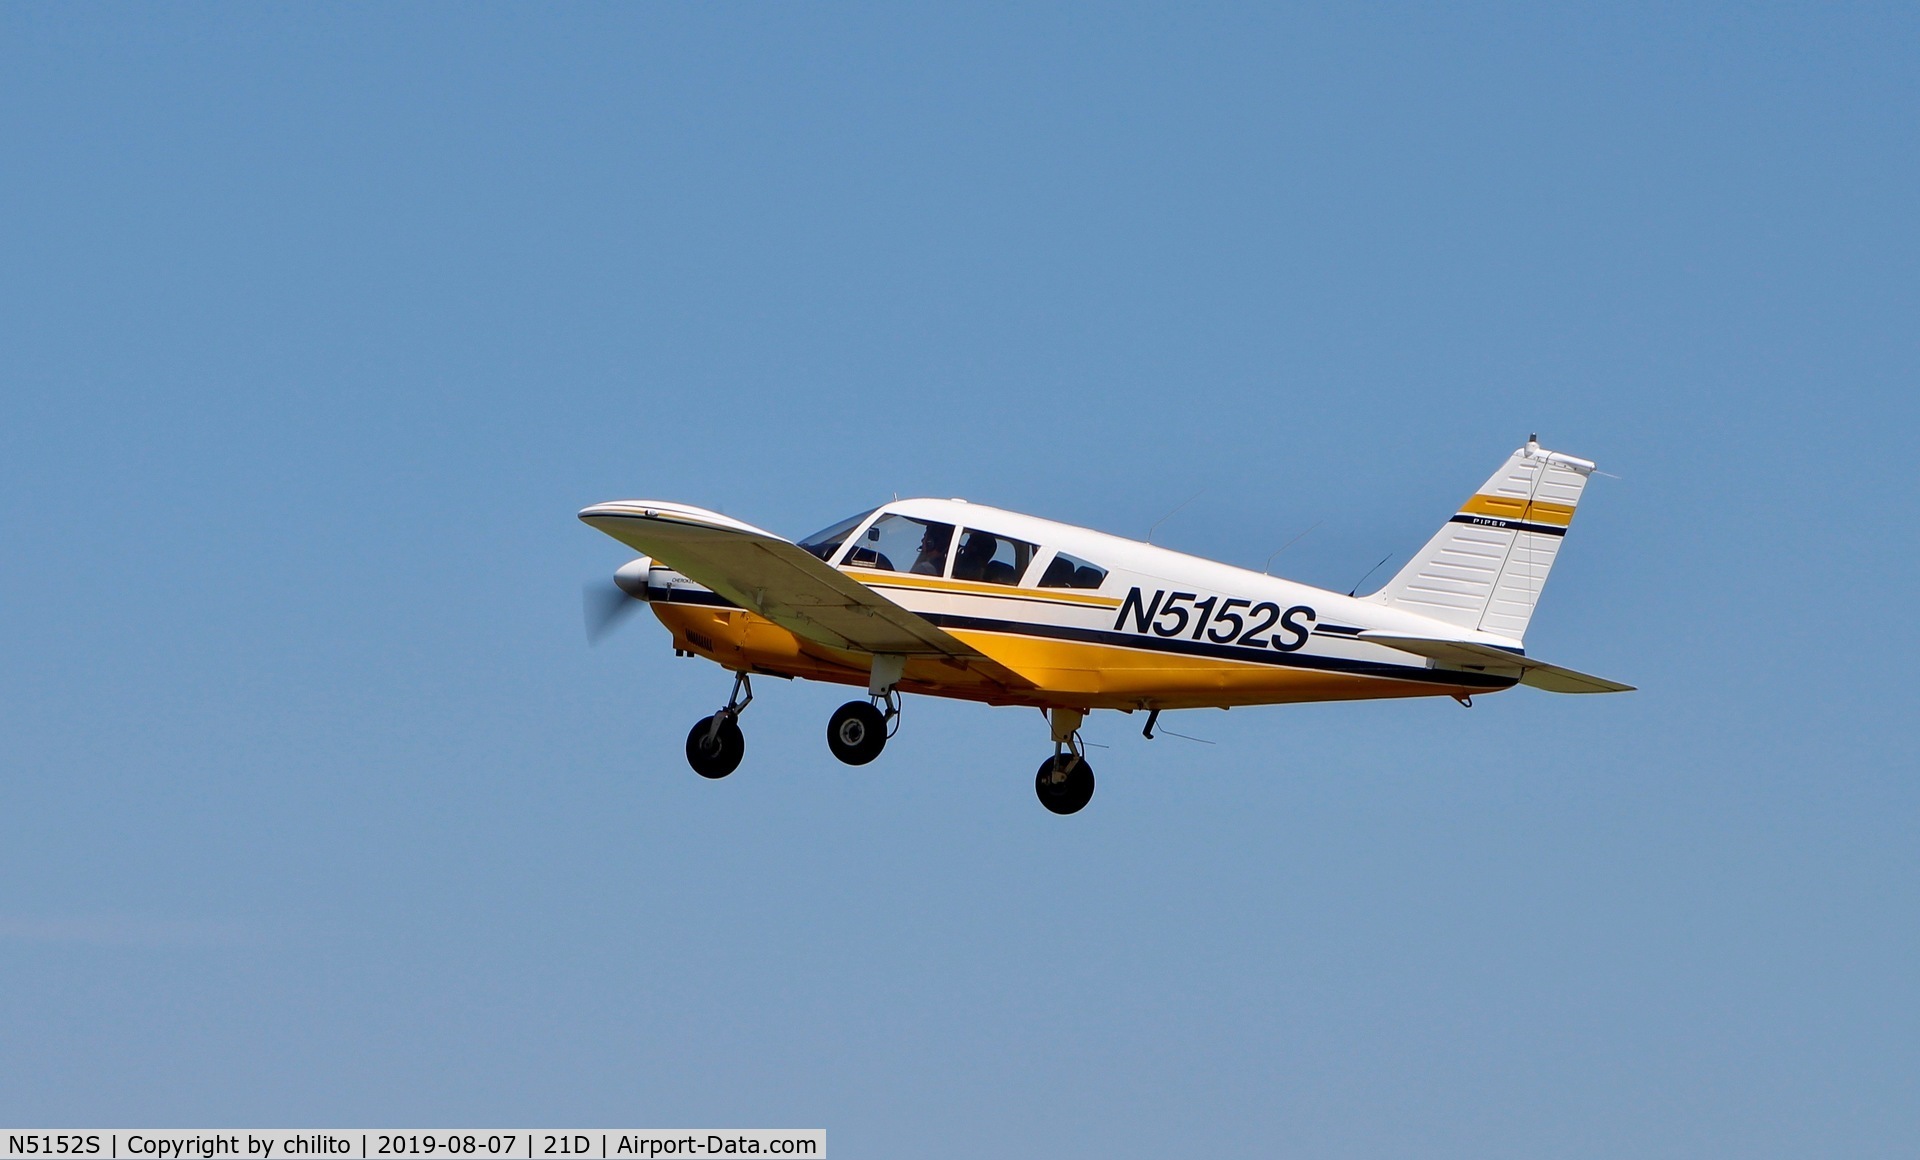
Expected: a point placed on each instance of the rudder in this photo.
(1485, 568)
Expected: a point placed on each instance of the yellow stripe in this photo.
(1102, 674)
(881, 578)
(1508, 508)
(1065, 672)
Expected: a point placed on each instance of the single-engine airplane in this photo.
(952, 599)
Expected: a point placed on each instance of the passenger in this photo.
(974, 557)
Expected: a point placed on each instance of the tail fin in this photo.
(1484, 569)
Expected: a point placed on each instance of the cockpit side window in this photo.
(825, 542)
(1072, 572)
(897, 543)
(990, 558)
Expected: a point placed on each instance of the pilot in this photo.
(932, 560)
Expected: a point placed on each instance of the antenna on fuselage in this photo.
(1267, 568)
(1171, 514)
(1369, 572)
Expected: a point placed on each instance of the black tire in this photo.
(719, 757)
(856, 732)
(1069, 795)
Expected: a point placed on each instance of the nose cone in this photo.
(631, 577)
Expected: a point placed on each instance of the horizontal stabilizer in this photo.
(1461, 654)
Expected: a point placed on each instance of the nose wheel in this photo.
(716, 745)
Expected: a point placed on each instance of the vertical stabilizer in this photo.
(1484, 569)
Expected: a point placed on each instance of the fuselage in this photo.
(1091, 620)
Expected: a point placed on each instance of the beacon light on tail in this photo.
(950, 599)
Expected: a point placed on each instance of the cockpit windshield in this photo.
(825, 542)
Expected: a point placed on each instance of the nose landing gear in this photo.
(1065, 781)
(716, 745)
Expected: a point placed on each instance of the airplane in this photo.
(947, 598)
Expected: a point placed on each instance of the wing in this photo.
(783, 582)
(1465, 654)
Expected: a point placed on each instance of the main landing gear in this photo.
(858, 730)
(716, 745)
(1065, 781)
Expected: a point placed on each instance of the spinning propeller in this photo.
(606, 605)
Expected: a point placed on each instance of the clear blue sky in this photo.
(318, 324)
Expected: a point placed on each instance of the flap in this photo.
(1486, 658)
(781, 581)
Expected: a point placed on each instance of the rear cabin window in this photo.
(897, 543)
(825, 542)
(990, 558)
(1072, 572)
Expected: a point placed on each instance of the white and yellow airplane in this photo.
(953, 599)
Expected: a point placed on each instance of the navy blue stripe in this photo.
(1138, 642)
(683, 596)
(1348, 632)
(1515, 525)
(1009, 594)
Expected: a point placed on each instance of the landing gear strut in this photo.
(858, 730)
(716, 745)
(1065, 781)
